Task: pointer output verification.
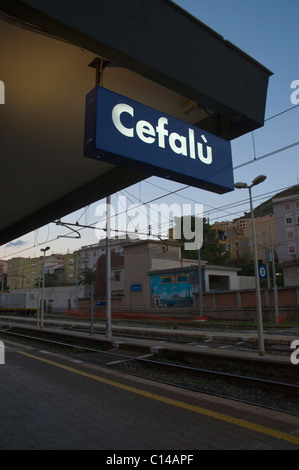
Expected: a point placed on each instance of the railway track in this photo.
(198, 337)
(257, 387)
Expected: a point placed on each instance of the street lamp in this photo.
(43, 286)
(255, 182)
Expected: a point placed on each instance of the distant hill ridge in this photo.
(266, 208)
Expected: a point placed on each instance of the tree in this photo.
(50, 280)
(211, 251)
(88, 276)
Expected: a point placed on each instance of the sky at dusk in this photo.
(266, 30)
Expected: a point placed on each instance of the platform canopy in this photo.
(155, 53)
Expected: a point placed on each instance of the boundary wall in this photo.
(241, 305)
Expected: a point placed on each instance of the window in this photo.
(289, 219)
(165, 279)
(292, 249)
(290, 233)
(117, 276)
(287, 206)
(297, 204)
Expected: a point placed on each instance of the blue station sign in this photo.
(136, 287)
(123, 132)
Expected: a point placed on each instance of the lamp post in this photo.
(43, 286)
(255, 182)
(108, 270)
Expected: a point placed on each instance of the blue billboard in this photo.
(123, 132)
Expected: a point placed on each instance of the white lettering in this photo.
(182, 149)
(189, 234)
(295, 94)
(121, 460)
(2, 92)
(101, 211)
(116, 113)
(161, 131)
(2, 353)
(295, 354)
(160, 214)
(208, 158)
(192, 143)
(146, 132)
(144, 127)
(132, 220)
(138, 218)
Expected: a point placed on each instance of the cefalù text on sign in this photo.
(129, 134)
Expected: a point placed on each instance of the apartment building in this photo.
(233, 239)
(3, 271)
(72, 263)
(286, 213)
(265, 235)
(25, 273)
(238, 240)
(89, 254)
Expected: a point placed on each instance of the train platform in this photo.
(51, 402)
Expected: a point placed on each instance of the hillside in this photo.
(266, 207)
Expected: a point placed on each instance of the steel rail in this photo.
(290, 389)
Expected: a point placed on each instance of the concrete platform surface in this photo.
(48, 401)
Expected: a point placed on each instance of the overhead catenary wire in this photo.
(148, 202)
(187, 186)
(266, 155)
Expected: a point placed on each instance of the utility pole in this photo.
(76, 291)
(241, 185)
(99, 64)
(274, 281)
(43, 286)
(108, 269)
(91, 309)
(267, 262)
(200, 284)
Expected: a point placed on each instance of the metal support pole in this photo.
(43, 285)
(108, 270)
(200, 285)
(91, 309)
(43, 292)
(267, 263)
(257, 284)
(38, 302)
(76, 288)
(274, 281)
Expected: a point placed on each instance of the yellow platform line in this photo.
(186, 406)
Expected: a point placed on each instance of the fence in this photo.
(241, 304)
